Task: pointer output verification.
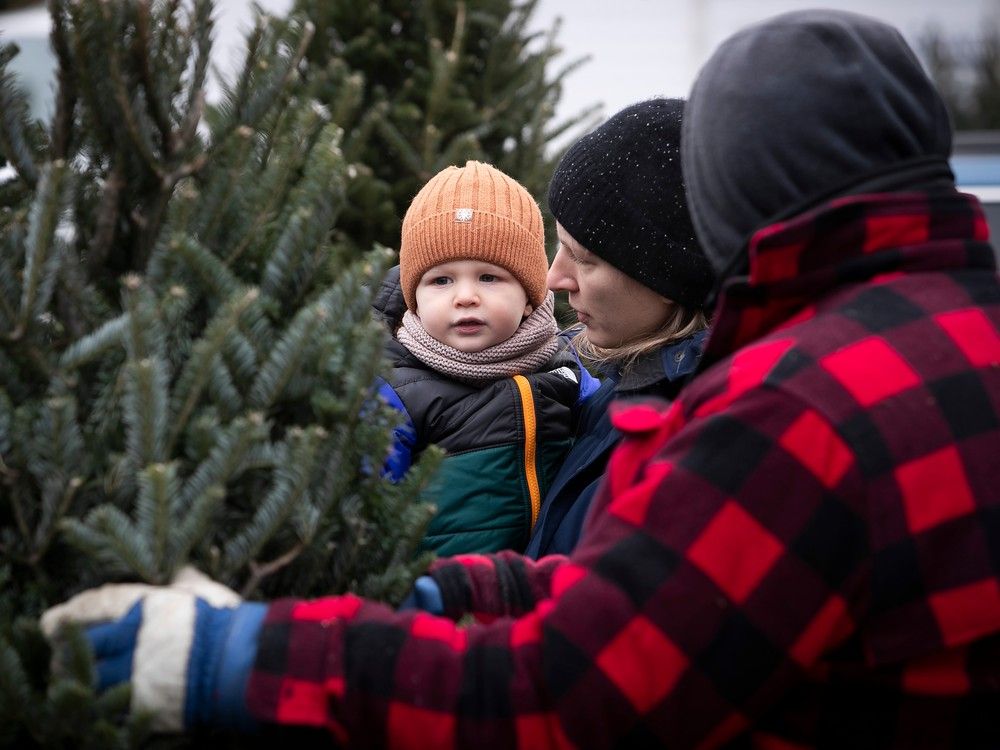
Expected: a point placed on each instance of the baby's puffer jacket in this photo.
(505, 440)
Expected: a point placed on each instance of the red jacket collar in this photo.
(848, 240)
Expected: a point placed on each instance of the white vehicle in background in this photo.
(975, 161)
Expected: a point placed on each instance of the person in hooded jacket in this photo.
(802, 551)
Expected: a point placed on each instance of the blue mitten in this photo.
(187, 648)
(425, 595)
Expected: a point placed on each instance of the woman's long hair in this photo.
(681, 323)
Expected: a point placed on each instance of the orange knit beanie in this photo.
(475, 212)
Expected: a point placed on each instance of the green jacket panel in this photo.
(483, 501)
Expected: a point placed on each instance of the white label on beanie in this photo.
(463, 214)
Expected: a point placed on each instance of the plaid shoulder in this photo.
(905, 374)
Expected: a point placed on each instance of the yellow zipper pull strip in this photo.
(530, 446)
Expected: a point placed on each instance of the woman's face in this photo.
(615, 308)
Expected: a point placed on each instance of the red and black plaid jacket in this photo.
(803, 551)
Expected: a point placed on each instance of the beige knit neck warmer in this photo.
(531, 346)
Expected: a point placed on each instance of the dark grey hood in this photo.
(801, 108)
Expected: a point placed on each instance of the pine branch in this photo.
(586, 119)
(13, 126)
(198, 369)
(286, 258)
(459, 149)
(15, 695)
(286, 357)
(158, 486)
(108, 216)
(349, 94)
(105, 406)
(81, 307)
(138, 136)
(86, 34)
(145, 336)
(226, 461)
(444, 66)
(359, 137)
(235, 96)
(146, 411)
(18, 506)
(171, 50)
(260, 571)
(259, 334)
(240, 357)
(290, 487)
(262, 97)
(77, 663)
(142, 51)
(407, 154)
(44, 217)
(223, 391)
(110, 535)
(250, 192)
(200, 27)
(306, 520)
(55, 507)
(213, 273)
(186, 138)
(58, 451)
(61, 135)
(195, 524)
(54, 264)
(262, 216)
(10, 277)
(223, 183)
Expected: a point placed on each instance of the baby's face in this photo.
(470, 305)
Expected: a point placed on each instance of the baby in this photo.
(477, 365)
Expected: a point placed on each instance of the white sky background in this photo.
(638, 48)
(645, 48)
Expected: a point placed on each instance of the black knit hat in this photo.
(619, 192)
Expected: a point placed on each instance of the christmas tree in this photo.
(186, 347)
(421, 85)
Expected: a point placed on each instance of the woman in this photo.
(637, 279)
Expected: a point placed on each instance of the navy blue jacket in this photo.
(659, 374)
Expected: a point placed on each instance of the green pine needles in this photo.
(419, 85)
(187, 352)
(188, 348)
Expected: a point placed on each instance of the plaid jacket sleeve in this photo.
(490, 586)
(693, 603)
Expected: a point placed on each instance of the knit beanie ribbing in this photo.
(475, 212)
(619, 192)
